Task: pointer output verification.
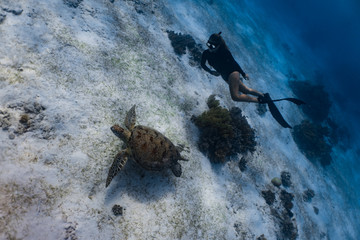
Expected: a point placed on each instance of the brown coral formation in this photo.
(223, 133)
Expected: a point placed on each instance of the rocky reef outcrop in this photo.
(316, 135)
(182, 42)
(311, 139)
(22, 117)
(317, 100)
(280, 202)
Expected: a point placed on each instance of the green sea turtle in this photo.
(148, 147)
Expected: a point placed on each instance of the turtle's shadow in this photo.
(139, 184)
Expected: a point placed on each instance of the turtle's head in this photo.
(121, 133)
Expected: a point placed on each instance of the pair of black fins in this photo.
(275, 111)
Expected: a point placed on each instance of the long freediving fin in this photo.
(293, 100)
(275, 112)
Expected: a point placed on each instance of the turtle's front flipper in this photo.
(118, 164)
(176, 169)
(130, 118)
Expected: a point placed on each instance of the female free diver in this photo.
(220, 58)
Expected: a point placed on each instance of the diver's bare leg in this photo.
(235, 85)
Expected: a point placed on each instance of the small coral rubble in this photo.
(223, 133)
(308, 195)
(117, 210)
(286, 179)
(283, 217)
(72, 3)
(242, 164)
(269, 196)
(22, 117)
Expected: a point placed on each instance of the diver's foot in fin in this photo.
(267, 97)
(118, 164)
(264, 99)
(275, 112)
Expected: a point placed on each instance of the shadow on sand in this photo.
(139, 184)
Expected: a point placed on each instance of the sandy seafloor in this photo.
(76, 67)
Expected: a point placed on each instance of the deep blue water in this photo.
(331, 29)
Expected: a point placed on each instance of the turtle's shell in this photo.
(152, 150)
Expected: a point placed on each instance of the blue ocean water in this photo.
(76, 67)
(331, 31)
(322, 39)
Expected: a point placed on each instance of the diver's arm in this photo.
(206, 68)
(203, 62)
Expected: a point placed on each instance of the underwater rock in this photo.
(281, 212)
(316, 210)
(2, 18)
(141, 7)
(31, 120)
(261, 237)
(283, 217)
(286, 179)
(261, 109)
(223, 133)
(15, 12)
(288, 229)
(72, 3)
(11, 136)
(269, 196)
(70, 233)
(117, 210)
(276, 181)
(311, 140)
(286, 199)
(308, 195)
(18, 105)
(33, 107)
(5, 122)
(242, 164)
(317, 100)
(242, 232)
(180, 42)
(24, 119)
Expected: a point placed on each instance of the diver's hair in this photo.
(216, 37)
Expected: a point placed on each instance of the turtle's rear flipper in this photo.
(118, 164)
